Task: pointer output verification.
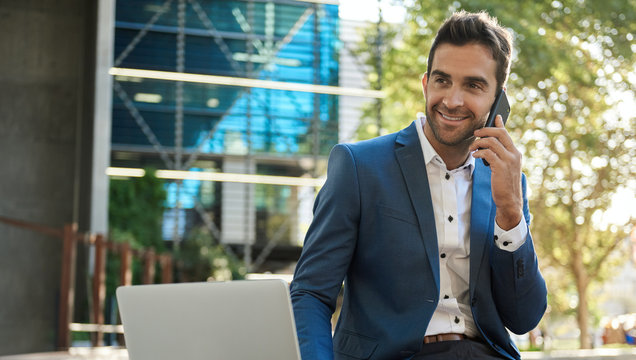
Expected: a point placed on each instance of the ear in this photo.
(424, 82)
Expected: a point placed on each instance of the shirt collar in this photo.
(429, 152)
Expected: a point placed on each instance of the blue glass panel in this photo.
(275, 121)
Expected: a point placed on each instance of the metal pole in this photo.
(178, 132)
(176, 220)
(178, 125)
(247, 255)
(315, 125)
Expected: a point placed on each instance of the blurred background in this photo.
(149, 141)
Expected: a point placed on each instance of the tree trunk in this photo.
(583, 316)
(582, 311)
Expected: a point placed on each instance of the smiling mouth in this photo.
(452, 118)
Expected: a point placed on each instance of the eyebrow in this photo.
(440, 73)
(478, 79)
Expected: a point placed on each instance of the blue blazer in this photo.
(374, 228)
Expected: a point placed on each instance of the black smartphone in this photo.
(499, 107)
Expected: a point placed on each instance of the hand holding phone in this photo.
(499, 107)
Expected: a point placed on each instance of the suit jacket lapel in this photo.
(481, 223)
(409, 155)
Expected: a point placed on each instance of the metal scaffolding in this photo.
(265, 50)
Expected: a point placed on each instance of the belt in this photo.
(444, 337)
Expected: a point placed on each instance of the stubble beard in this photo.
(466, 137)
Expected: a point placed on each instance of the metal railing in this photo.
(71, 237)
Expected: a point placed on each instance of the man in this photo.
(433, 245)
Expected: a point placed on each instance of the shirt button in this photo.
(443, 255)
(446, 296)
(450, 218)
(506, 243)
(496, 237)
(447, 176)
(456, 320)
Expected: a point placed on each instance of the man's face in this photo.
(459, 93)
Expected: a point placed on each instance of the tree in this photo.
(136, 207)
(135, 212)
(572, 136)
(202, 258)
(572, 80)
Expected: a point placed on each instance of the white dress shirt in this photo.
(451, 193)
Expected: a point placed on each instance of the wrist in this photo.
(508, 219)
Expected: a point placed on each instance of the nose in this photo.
(453, 98)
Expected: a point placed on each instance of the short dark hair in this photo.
(463, 28)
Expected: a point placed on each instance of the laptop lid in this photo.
(246, 319)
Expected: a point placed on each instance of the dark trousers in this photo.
(461, 349)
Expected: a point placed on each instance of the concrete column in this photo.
(239, 213)
(102, 115)
(46, 114)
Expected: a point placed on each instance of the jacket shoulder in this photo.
(377, 145)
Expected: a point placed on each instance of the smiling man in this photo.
(433, 246)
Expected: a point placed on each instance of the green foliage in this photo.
(135, 213)
(77, 336)
(572, 78)
(202, 258)
(135, 210)
(398, 75)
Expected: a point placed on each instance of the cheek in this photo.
(480, 107)
(432, 98)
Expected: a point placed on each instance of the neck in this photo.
(454, 156)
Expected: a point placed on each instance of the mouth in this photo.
(452, 118)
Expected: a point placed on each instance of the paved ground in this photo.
(104, 353)
(595, 354)
(121, 354)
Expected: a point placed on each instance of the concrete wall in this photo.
(46, 112)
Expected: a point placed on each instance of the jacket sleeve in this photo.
(518, 287)
(327, 252)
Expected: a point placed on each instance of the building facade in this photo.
(241, 101)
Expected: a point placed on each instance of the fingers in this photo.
(492, 150)
(499, 121)
(495, 145)
(499, 132)
(488, 149)
(499, 125)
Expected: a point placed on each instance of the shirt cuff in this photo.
(512, 239)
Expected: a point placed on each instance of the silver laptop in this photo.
(247, 319)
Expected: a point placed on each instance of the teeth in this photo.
(451, 118)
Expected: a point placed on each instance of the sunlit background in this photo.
(192, 137)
